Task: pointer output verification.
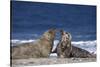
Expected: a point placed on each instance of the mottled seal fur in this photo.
(81, 53)
(40, 48)
(65, 49)
(64, 46)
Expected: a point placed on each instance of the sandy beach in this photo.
(48, 61)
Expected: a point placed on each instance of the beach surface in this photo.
(48, 61)
(90, 46)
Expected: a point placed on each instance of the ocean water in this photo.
(29, 20)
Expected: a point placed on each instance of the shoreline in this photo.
(48, 61)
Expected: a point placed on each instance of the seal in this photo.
(64, 46)
(65, 49)
(42, 47)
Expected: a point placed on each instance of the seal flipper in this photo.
(54, 51)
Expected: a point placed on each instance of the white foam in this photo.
(84, 42)
(87, 45)
(55, 44)
(53, 55)
(21, 41)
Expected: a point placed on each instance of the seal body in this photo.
(65, 49)
(81, 53)
(40, 48)
(64, 46)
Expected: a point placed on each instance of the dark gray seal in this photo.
(65, 49)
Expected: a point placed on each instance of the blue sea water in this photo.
(29, 20)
